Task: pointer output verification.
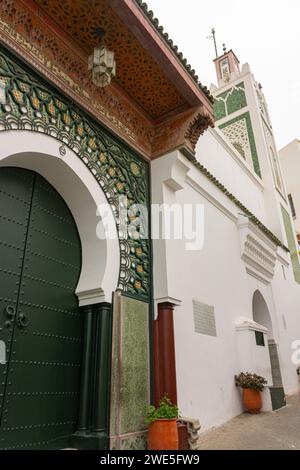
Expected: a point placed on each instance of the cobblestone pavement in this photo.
(267, 431)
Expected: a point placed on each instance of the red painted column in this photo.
(164, 354)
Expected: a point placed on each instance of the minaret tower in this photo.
(241, 113)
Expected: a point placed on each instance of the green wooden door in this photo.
(40, 323)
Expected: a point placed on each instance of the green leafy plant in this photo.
(165, 410)
(253, 381)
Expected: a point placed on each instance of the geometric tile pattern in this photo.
(230, 101)
(237, 134)
(30, 105)
(137, 72)
(239, 131)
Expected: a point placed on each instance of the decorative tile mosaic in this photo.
(230, 101)
(134, 442)
(134, 386)
(130, 374)
(32, 105)
(239, 131)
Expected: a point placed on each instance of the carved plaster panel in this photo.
(258, 252)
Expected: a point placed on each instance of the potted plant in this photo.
(252, 385)
(162, 425)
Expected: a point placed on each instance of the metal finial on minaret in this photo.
(213, 37)
(224, 49)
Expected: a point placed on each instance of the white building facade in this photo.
(97, 324)
(237, 298)
(290, 163)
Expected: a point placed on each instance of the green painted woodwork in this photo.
(102, 349)
(290, 235)
(93, 424)
(32, 105)
(84, 417)
(230, 101)
(251, 137)
(278, 397)
(40, 262)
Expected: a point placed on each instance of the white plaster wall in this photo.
(225, 163)
(271, 194)
(253, 357)
(216, 275)
(290, 164)
(286, 301)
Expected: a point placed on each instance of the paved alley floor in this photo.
(267, 431)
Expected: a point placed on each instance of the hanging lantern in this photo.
(102, 64)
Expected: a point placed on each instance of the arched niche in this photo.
(261, 313)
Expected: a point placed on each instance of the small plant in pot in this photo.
(252, 385)
(162, 425)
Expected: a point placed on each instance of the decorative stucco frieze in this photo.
(154, 118)
(31, 39)
(182, 131)
(257, 252)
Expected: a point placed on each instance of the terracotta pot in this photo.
(252, 400)
(163, 435)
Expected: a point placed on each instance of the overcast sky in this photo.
(264, 33)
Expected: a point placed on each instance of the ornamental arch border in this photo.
(100, 257)
(34, 106)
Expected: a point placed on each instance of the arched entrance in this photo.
(87, 166)
(41, 323)
(262, 316)
(261, 313)
(100, 267)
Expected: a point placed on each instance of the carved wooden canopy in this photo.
(153, 102)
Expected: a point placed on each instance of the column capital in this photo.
(168, 300)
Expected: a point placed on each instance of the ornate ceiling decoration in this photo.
(60, 55)
(137, 72)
